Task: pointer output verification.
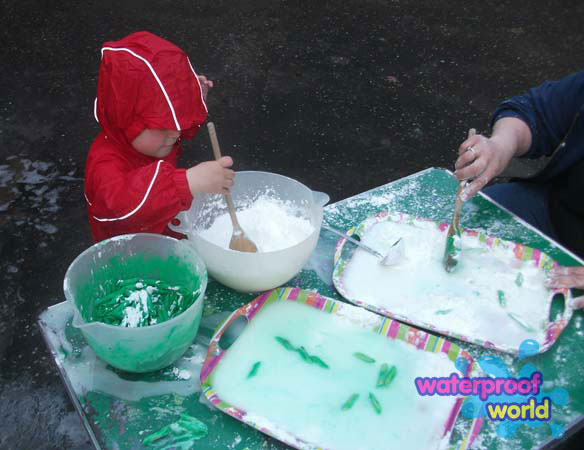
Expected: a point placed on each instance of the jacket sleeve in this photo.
(548, 110)
(144, 198)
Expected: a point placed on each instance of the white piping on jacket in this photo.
(200, 88)
(95, 110)
(141, 203)
(153, 73)
(86, 199)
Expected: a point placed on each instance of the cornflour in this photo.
(270, 223)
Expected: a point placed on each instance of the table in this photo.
(119, 409)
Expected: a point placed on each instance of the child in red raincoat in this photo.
(148, 98)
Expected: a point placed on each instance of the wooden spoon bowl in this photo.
(239, 241)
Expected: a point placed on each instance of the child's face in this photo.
(156, 143)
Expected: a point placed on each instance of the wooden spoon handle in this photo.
(458, 201)
(214, 140)
(217, 153)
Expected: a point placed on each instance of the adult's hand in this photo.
(481, 158)
(568, 277)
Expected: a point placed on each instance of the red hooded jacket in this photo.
(144, 82)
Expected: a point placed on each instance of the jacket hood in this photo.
(146, 82)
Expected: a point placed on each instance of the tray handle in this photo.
(233, 325)
(553, 329)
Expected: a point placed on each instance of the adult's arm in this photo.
(541, 118)
(548, 110)
(511, 137)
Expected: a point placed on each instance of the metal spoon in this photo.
(239, 241)
(388, 259)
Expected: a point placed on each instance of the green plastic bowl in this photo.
(141, 255)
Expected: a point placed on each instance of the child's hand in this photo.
(213, 177)
(206, 85)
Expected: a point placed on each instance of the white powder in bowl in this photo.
(270, 223)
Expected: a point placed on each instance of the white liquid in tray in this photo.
(305, 399)
(465, 301)
(270, 223)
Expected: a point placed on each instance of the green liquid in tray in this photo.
(307, 401)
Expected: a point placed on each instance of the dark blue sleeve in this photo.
(548, 110)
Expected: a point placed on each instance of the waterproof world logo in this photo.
(510, 401)
(486, 387)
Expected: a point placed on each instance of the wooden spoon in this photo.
(239, 241)
(450, 258)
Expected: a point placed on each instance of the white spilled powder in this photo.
(88, 373)
(465, 301)
(136, 312)
(181, 373)
(47, 228)
(270, 223)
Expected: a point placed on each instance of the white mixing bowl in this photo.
(253, 272)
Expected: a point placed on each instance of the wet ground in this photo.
(341, 95)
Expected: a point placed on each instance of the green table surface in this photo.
(119, 409)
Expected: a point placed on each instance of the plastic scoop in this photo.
(452, 249)
(239, 241)
(393, 255)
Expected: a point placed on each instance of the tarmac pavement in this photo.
(341, 95)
